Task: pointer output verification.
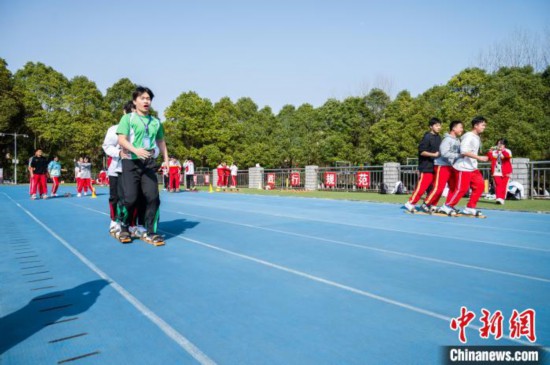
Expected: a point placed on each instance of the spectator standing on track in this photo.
(428, 151)
(165, 175)
(54, 169)
(468, 175)
(189, 168)
(174, 169)
(77, 172)
(85, 177)
(234, 170)
(501, 168)
(39, 171)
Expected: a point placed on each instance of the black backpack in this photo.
(383, 188)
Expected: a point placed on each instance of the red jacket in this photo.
(506, 163)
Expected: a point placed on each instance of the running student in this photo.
(428, 150)
(140, 133)
(114, 169)
(449, 151)
(54, 169)
(501, 168)
(38, 169)
(468, 176)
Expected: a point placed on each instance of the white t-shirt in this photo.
(189, 168)
(234, 170)
(470, 142)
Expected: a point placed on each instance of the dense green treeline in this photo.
(70, 118)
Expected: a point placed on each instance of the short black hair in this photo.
(477, 120)
(128, 107)
(454, 124)
(434, 121)
(142, 90)
(503, 141)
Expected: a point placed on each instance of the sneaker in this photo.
(33, 196)
(114, 225)
(469, 211)
(500, 201)
(79, 195)
(44, 196)
(434, 209)
(426, 208)
(447, 210)
(85, 193)
(141, 230)
(410, 207)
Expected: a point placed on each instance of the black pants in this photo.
(140, 177)
(114, 197)
(166, 179)
(190, 182)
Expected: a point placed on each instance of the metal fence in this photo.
(285, 179)
(350, 178)
(540, 180)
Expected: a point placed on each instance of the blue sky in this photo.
(276, 52)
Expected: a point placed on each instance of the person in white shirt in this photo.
(234, 169)
(189, 168)
(467, 174)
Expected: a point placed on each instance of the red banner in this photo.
(330, 179)
(295, 179)
(271, 180)
(363, 179)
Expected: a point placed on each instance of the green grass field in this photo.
(518, 205)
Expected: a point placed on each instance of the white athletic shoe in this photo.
(79, 195)
(141, 230)
(447, 210)
(410, 207)
(469, 211)
(500, 201)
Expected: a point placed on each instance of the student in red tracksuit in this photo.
(174, 169)
(221, 173)
(39, 171)
(428, 150)
(468, 175)
(501, 168)
(449, 151)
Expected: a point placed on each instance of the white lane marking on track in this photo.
(328, 282)
(340, 286)
(262, 198)
(452, 222)
(392, 230)
(177, 337)
(343, 243)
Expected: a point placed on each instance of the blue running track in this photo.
(247, 279)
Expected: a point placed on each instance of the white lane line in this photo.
(177, 337)
(340, 286)
(329, 282)
(343, 243)
(463, 239)
(444, 220)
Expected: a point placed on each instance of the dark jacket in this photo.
(40, 165)
(430, 143)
